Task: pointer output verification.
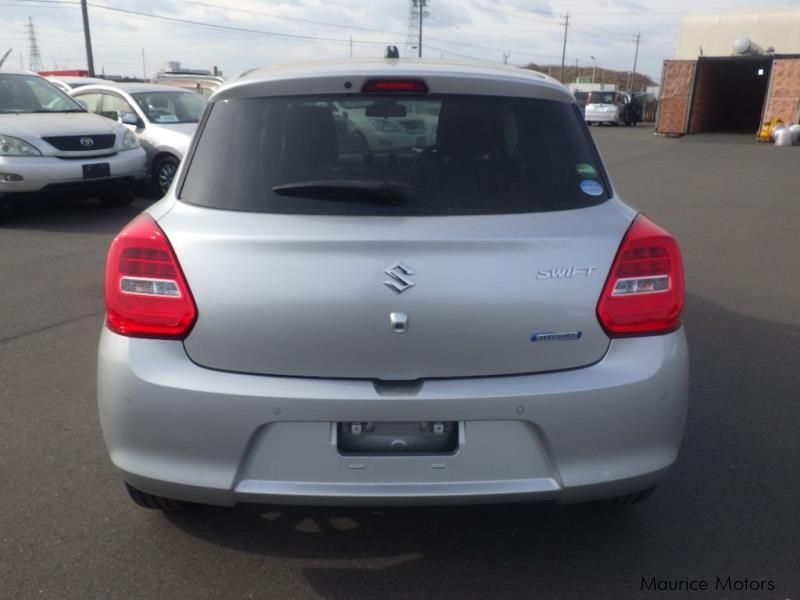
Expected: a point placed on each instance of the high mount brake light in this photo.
(403, 86)
(644, 292)
(145, 290)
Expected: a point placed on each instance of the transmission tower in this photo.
(414, 37)
(35, 57)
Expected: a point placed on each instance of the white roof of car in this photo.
(5, 71)
(134, 88)
(448, 76)
(71, 79)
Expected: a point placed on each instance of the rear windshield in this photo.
(447, 154)
(602, 97)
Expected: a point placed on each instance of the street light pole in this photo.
(594, 67)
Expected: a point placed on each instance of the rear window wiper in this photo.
(384, 192)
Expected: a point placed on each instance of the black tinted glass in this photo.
(448, 154)
(602, 97)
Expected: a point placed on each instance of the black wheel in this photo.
(154, 502)
(635, 498)
(117, 198)
(164, 172)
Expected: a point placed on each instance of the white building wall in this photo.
(717, 33)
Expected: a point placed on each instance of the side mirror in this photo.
(129, 118)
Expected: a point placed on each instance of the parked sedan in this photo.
(164, 119)
(49, 143)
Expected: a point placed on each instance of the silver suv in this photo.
(49, 143)
(310, 319)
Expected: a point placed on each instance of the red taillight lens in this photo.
(402, 86)
(146, 292)
(644, 291)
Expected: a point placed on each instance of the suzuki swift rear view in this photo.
(392, 282)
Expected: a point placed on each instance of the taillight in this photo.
(644, 291)
(402, 86)
(146, 292)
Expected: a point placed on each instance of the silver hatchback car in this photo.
(309, 317)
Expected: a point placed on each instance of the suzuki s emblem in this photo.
(399, 277)
(87, 142)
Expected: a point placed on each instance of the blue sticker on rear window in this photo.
(591, 187)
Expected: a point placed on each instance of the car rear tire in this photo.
(154, 502)
(164, 172)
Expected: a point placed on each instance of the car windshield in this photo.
(602, 97)
(31, 94)
(171, 107)
(443, 154)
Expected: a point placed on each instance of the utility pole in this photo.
(422, 5)
(144, 67)
(87, 38)
(565, 24)
(594, 67)
(506, 56)
(637, 38)
(351, 46)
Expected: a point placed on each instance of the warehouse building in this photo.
(732, 73)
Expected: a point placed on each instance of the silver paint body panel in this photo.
(295, 335)
(179, 430)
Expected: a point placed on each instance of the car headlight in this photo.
(129, 140)
(11, 146)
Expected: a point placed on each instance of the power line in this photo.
(291, 36)
(284, 17)
(272, 15)
(460, 55)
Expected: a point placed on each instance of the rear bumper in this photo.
(182, 431)
(43, 173)
(601, 117)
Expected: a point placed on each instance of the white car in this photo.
(68, 83)
(49, 143)
(607, 107)
(163, 117)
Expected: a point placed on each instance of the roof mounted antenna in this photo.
(391, 52)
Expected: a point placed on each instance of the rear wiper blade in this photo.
(388, 192)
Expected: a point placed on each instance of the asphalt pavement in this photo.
(729, 508)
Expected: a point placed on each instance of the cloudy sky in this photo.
(240, 34)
